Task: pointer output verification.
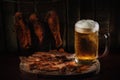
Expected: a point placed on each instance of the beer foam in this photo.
(86, 26)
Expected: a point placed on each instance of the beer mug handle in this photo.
(106, 50)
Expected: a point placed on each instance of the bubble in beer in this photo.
(86, 26)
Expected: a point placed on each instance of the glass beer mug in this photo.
(87, 42)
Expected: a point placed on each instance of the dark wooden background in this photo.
(106, 12)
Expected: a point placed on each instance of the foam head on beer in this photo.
(86, 26)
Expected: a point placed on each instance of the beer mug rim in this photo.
(86, 26)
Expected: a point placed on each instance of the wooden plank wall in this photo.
(106, 12)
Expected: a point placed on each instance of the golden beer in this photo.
(86, 41)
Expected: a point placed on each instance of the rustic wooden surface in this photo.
(110, 67)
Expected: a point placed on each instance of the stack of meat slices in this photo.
(49, 63)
